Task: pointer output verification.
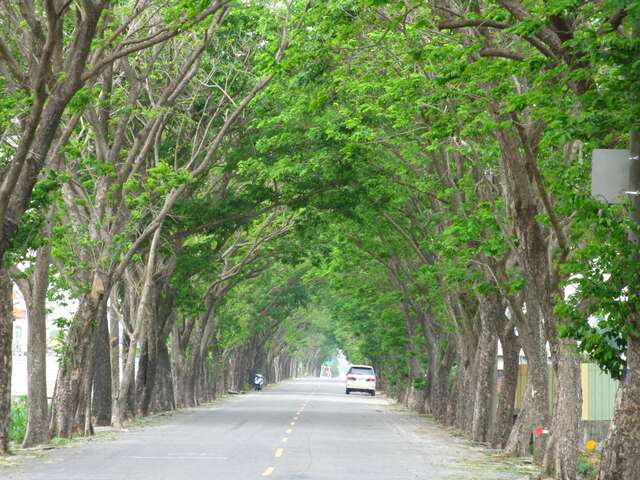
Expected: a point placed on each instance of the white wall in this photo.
(19, 375)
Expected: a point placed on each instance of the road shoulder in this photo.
(449, 449)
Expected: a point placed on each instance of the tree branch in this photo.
(13, 66)
(454, 25)
(501, 53)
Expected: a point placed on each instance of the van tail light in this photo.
(351, 378)
(371, 379)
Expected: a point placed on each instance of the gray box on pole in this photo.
(610, 174)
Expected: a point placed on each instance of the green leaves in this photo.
(526, 27)
(84, 97)
(162, 178)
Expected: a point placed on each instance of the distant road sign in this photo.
(611, 175)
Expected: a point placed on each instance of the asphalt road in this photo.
(303, 429)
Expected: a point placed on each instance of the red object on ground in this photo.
(538, 431)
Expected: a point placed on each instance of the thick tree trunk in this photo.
(188, 389)
(184, 372)
(150, 377)
(249, 363)
(101, 402)
(505, 410)
(560, 458)
(621, 457)
(523, 194)
(114, 352)
(534, 411)
(416, 392)
(231, 371)
(84, 421)
(151, 332)
(454, 396)
(201, 391)
(37, 406)
(177, 364)
(122, 410)
(6, 338)
(69, 401)
(141, 373)
(439, 384)
(163, 397)
(467, 344)
(130, 404)
(485, 371)
(190, 377)
(219, 369)
(144, 318)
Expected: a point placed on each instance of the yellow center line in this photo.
(284, 439)
(296, 418)
(288, 430)
(292, 423)
(279, 452)
(268, 471)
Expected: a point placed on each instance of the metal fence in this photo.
(598, 391)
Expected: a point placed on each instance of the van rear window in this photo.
(361, 371)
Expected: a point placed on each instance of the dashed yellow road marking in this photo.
(289, 430)
(279, 452)
(296, 417)
(292, 423)
(268, 471)
(284, 439)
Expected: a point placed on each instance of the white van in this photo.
(361, 378)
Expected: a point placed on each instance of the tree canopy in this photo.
(226, 187)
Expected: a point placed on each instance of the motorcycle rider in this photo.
(258, 381)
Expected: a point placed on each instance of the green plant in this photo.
(588, 465)
(18, 423)
(420, 383)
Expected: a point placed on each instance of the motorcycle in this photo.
(258, 381)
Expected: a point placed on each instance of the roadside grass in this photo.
(18, 427)
(18, 421)
(490, 465)
(588, 465)
(498, 466)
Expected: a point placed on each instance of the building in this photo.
(20, 347)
